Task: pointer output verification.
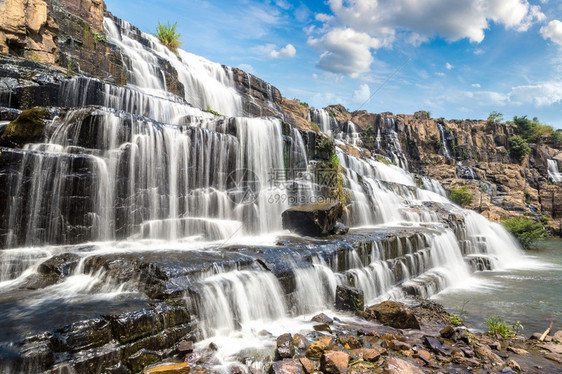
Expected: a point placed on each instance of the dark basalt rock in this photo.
(28, 127)
(349, 298)
(394, 314)
(313, 219)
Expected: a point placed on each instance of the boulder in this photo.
(367, 354)
(308, 365)
(349, 298)
(300, 341)
(394, 314)
(316, 219)
(558, 336)
(286, 366)
(27, 128)
(168, 368)
(322, 318)
(395, 365)
(334, 362)
(285, 347)
(317, 348)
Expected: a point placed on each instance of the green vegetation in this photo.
(27, 127)
(384, 160)
(456, 318)
(497, 326)
(315, 127)
(209, 110)
(329, 170)
(495, 117)
(532, 130)
(518, 147)
(332, 113)
(99, 37)
(461, 196)
(168, 35)
(527, 231)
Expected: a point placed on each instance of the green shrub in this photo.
(461, 196)
(495, 117)
(525, 230)
(209, 110)
(168, 35)
(496, 326)
(518, 147)
(315, 127)
(531, 130)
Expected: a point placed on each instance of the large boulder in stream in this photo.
(394, 314)
(316, 219)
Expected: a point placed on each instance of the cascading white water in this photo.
(553, 172)
(444, 150)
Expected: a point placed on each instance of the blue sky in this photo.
(461, 59)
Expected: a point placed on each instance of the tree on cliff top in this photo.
(168, 35)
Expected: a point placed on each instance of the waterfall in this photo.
(553, 172)
(444, 149)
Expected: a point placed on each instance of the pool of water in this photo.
(530, 294)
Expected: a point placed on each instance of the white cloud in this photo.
(247, 68)
(553, 31)
(440, 74)
(476, 85)
(345, 51)
(540, 94)
(362, 94)
(478, 51)
(448, 66)
(369, 24)
(314, 76)
(270, 51)
(285, 52)
(282, 4)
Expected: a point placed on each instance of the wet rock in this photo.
(29, 127)
(83, 335)
(485, 353)
(518, 351)
(322, 318)
(349, 341)
(142, 359)
(535, 336)
(394, 314)
(363, 367)
(185, 346)
(397, 345)
(308, 365)
(514, 365)
(434, 345)
(317, 348)
(313, 219)
(424, 355)
(322, 327)
(286, 366)
(340, 229)
(557, 336)
(168, 368)
(447, 331)
(285, 347)
(334, 362)
(495, 345)
(300, 341)
(367, 354)
(349, 298)
(395, 365)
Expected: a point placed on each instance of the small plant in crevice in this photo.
(497, 326)
(209, 110)
(457, 318)
(461, 196)
(168, 36)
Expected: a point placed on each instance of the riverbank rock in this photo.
(394, 314)
(317, 348)
(170, 368)
(349, 298)
(317, 219)
(395, 365)
(334, 362)
(287, 366)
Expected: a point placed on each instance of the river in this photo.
(531, 294)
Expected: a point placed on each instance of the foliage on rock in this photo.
(527, 231)
(461, 196)
(168, 35)
(518, 147)
(27, 127)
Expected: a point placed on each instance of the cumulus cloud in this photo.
(448, 66)
(345, 51)
(362, 94)
(553, 31)
(541, 94)
(270, 51)
(476, 85)
(369, 24)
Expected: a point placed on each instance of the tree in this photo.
(168, 35)
(518, 147)
(525, 230)
(495, 117)
(461, 196)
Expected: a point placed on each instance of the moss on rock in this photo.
(28, 127)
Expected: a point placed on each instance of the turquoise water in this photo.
(532, 295)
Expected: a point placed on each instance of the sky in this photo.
(458, 59)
